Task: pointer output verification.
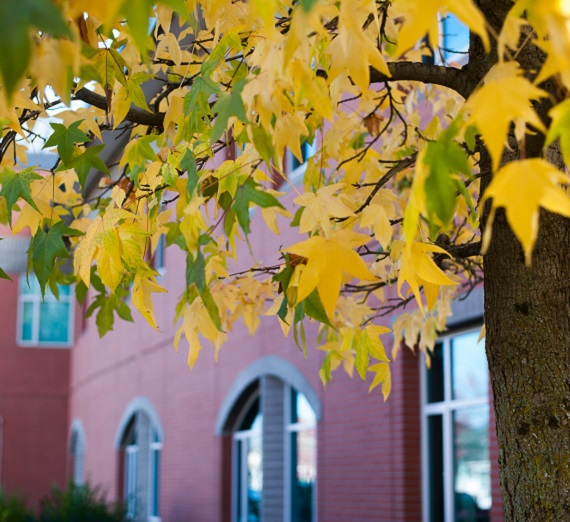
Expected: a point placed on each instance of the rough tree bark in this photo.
(527, 317)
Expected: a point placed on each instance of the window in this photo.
(77, 450)
(455, 432)
(297, 168)
(158, 258)
(287, 442)
(140, 465)
(272, 430)
(302, 468)
(47, 322)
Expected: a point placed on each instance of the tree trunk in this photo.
(527, 317)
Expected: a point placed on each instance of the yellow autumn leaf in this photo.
(328, 259)
(352, 42)
(504, 87)
(418, 269)
(382, 375)
(102, 243)
(320, 207)
(196, 320)
(378, 214)
(521, 188)
(423, 21)
(143, 288)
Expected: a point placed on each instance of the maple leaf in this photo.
(65, 138)
(102, 242)
(368, 344)
(17, 185)
(521, 187)
(320, 207)
(45, 248)
(504, 87)
(382, 375)
(228, 105)
(560, 128)
(143, 288)
(419, 22)
(419, 269)
(328, 259)
(195, 320)
(84, 161)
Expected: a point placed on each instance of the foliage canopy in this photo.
(216, 97)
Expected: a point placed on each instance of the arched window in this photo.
(77, 448)
(272, 425)
(140, 444)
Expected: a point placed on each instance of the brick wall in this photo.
(34, 385)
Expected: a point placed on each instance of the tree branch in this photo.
(135, 115)
(456, 79)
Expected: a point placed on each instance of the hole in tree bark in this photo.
(522, 308)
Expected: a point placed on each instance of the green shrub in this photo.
(79, 504)
(13, 509)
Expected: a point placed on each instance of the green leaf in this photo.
(65, 138)
(110, 66)
(560, 128)
(138, 151)
(445, 160)
(84, 162)
(46, 247)
(211, 306)
(135, 91)
(4, 275)
(228, 105)
(307, 5)
(196, 271)
(17, 185)
(17, 21)
(314, 308)
(325, 371)
(108, 306)
(169, 174)
(263, 143)
(246, 194)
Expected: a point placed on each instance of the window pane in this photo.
(301, 410)
(303, 474)
(254, 479)
(435, 468)
(469, 367)
(32, 288)
(27, 321)
(472, 466)
(435, 390)
(155, 509)
(54, 322)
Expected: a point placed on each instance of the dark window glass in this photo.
(435, 467)
(435, 381)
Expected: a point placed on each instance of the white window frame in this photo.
(296, 427)
(445, 408)
(35, 297)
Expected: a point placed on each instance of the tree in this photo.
(425, 173)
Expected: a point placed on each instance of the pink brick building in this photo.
(254, 437)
